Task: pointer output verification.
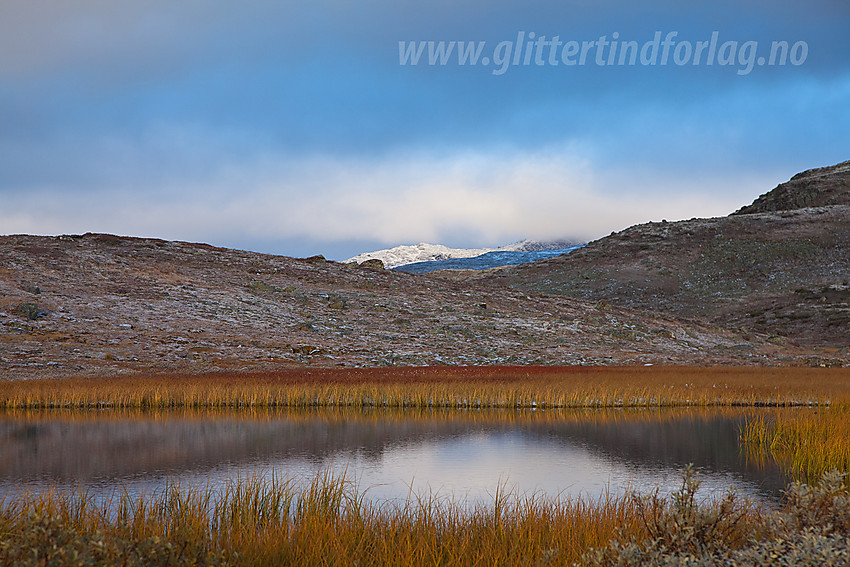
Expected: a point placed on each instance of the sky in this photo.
(303, 128)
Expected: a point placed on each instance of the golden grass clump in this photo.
(807, 443)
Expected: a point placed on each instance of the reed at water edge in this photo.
(449, 387)
(806, 443)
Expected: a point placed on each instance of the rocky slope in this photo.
(101, 304)
(813, 188)
(774, 267)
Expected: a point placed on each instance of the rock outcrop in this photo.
(820, 187)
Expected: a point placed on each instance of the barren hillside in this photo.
(784, 272)
(101, 304)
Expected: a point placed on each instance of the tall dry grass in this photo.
(450, 387)
(329, 521)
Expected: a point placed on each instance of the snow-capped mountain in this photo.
(423, 252)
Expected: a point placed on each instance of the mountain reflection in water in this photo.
(465, 454)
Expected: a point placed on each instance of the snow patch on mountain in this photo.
(424, 252)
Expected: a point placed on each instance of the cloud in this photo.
(480, 198)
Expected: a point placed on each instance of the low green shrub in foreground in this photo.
(812, 530)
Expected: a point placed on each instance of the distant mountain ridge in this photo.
(424, 252)
(486, 261)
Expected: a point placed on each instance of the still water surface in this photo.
(462, 454)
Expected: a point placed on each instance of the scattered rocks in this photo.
(308, 350)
